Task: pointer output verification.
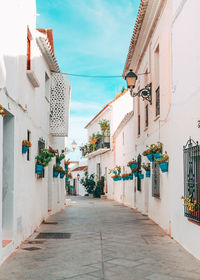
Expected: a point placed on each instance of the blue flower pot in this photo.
(131, 177)
(66, 179)
(115, 172)
(148, 173)
(123, 178)
(135, 174)
(163, 166)
(133, 165)
(119, 178)
(119, 172)
(62, 175)
(157, 155)
(55, 174)
(114, 179)
(24, 149)
(38, 169)
(66, 168)
(58, 162)
(150, 157)
(141, 176)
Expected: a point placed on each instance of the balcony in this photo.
(102, 146)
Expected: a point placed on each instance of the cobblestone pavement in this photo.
(108, 241)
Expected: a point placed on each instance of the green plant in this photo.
(88, 182)
(125, 174)
(123, 89)
(190, 204)
(99, 189)
(58, 168)
(146, 166)
(61, 156)
(69, 174)
(26, 143)
(105, 127)
(118, 168)
(163, 158)
(2, 111)
(153, 149)
(131, 161)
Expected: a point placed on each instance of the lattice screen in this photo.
(59, 105)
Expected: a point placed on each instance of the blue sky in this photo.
(91, 37)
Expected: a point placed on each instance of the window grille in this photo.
(191, 156)
(29, 139)
(146, 115)
(155, 179)
(139, 168)
(158, 101)
(138, 125)
(59, 105)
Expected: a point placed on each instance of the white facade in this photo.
(101, 161)
(26, 95)
(158, 48)
(78, 172)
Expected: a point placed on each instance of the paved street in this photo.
(104, 240)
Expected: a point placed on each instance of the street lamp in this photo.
(145, 93)
(74, 145)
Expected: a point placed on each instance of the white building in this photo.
(78, 170)
(159, 51)
(101, 160)
(36, 102)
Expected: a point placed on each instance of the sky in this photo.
(91, 37)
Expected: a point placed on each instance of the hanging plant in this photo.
(2, 111)
(132, 163)
(60, 157)
(163, 162)
(25, 146)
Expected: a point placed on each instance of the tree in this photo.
(88, 182)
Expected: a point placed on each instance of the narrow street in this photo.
(104, 240)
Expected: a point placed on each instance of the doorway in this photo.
(8, 178)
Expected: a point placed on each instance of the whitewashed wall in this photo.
(30, 111)
(184, 112)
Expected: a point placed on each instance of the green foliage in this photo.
(123, 89)
(88, 182)
(105, 127)
(61, 156)
(58, 168)
(45, 156)
(99, 190)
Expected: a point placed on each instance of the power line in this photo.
(94, 76)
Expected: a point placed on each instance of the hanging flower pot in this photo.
(24, 149)
(157, 155)
(58, 162)
(66, 179)
(164, 167)
(150, 157)
(38, 169)
(119, 178)
(133, 165)
(66, 168)
(115, 172)
(131, 177)
(62, 175)
(55, 174)
(148, 173)
(135, 174)
(119, 172)
(141, 176)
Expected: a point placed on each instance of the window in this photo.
(29, 139)
(155, 179)
(157, 81)
(47, 86)
(191, 155)
(138, 178)
(146, 115)
(138, 125)
(28, 64)
(41, 145)
(158, 101)
(98, 171)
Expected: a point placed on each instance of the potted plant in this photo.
(60, 157)
(118, 168)
(25, 146)
(148, 153)
(135, 171)
(116, 177)
(132, 163)
(125, 176)
(62, 173)
(163, 162)
(130, 176)
(89, 183)
(105, 130)
(157, 150)
(191, 204)
(140, 174)
(146, 167)
(66, 163)
(40, 164)
(2, 111)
